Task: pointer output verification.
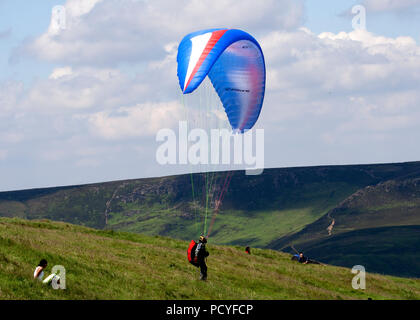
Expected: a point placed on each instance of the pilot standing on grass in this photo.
(201, 253)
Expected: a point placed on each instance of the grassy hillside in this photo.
(256, 209)
(273, 210)
(115, 265)
(389, 250)
(377, 226)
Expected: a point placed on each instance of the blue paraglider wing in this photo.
(234, 62)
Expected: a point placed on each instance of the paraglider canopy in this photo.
(234, 62)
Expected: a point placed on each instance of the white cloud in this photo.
(98, 34)
(342, 62)
(391, 5)
(346, 97)
(60, 72)
(84, 88)
(345, 80)
(138, 121)
(78, 8)
(331, 98)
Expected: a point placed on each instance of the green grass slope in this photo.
(389, 250)
(117, 265)
(256, 209)
(377, 226)
(387, 204)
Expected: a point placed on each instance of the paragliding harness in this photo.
(192, 257)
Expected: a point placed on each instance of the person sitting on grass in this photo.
(39, 273)
(39, 270)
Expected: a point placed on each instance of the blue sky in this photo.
(85, 105)
(22, 20)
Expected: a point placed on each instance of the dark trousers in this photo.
(203, 269)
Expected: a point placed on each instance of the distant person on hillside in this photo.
(302, 258)
(305, 260)
(248, 250)
(201, 253)
(39, 270)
